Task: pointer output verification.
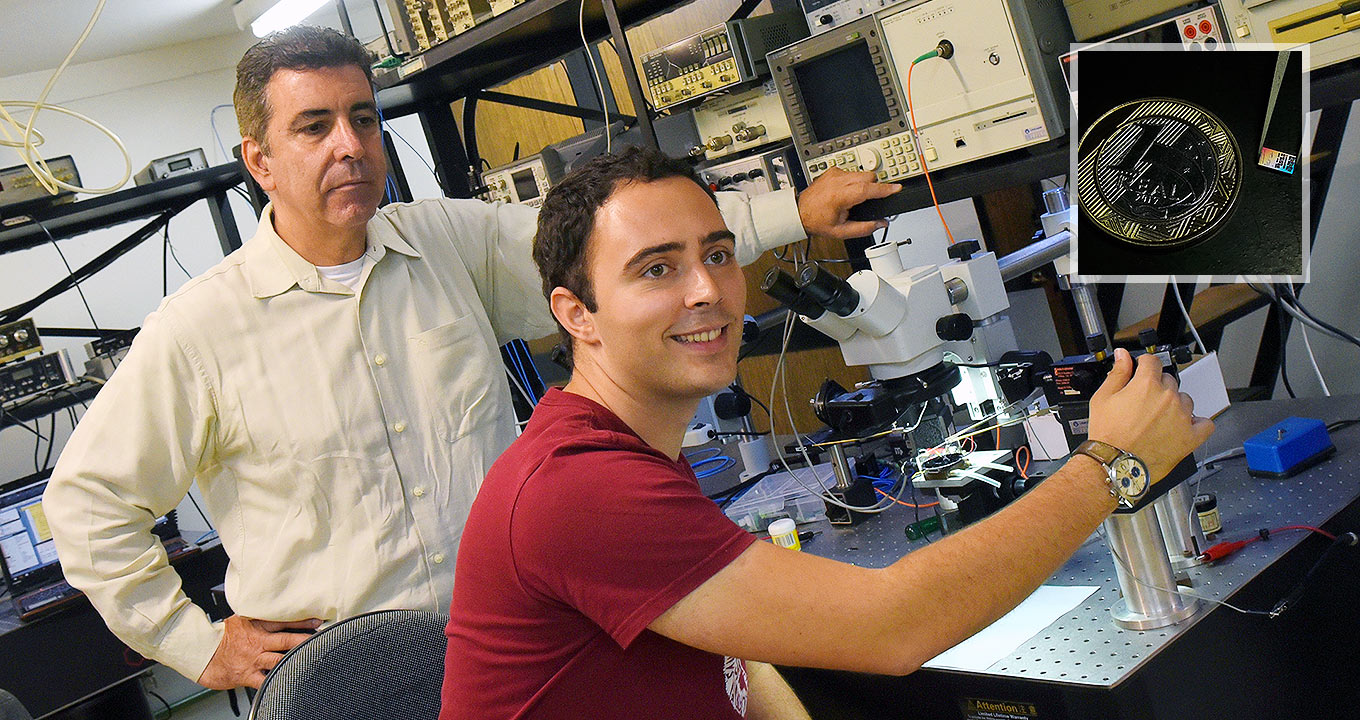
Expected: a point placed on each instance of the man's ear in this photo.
(257, 163)
(573, 315)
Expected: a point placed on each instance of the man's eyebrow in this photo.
(317, 113)
(312, 114)
(645, 254)
(717, 236)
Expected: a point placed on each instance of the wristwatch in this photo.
(1128, 476)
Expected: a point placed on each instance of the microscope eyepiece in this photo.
(827, 290)
(781, 286)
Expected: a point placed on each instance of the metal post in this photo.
(343, 12)
(1145, 577)
(446, 145)
(1184, 539)
(611, 15)
(1088, 312)
(227, 233)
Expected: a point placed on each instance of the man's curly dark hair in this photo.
(567, 217)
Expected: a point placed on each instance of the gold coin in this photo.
(1158, 173)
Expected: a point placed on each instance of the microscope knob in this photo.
(964, 249)
(1147, 337)
(954, 327)
(1095, 343)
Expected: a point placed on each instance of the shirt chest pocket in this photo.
(455, 369)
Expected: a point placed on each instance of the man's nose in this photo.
(347, 143)
(703, 287)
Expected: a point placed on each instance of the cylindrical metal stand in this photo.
(1088, 311)
(842, 468)
(1145, 576)
(1180, 527)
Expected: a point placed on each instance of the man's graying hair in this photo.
(567, 217)
(301, 47)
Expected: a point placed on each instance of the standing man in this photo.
(596, 580)
(334, 386)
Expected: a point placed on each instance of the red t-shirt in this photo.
(580, 537)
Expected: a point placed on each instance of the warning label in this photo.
(978, 709)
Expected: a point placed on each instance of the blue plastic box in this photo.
(1288, 447)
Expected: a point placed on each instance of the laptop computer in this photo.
(28, 557)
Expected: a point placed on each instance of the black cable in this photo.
(211, 529)
(52, 434)
(1342, 424)
(1349, 539)
(37, 448)
(169, 712)
(391, 51)
(737, 388)
(173, 256)
(915, 504)
(69, 271)
(740, 433)
(73, 397)
(1341, 334)
(16, 421)
(244, 195)
(1284, 351)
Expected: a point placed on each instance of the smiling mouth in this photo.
(701, 337)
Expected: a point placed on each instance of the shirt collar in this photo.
(272, 267)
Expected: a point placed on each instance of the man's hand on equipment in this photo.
(1146, 414)
(250, 649)
(824, 207)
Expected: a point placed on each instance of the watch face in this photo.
(1131, 477)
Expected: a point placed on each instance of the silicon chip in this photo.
(1276, 160)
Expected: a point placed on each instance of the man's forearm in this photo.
(769, 696)
(971, 578)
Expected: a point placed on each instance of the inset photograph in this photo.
(1189, 164)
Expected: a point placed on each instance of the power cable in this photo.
(30, 139)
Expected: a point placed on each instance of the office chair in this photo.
(11, 708)
(381, 665)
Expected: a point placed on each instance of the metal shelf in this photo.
(134, 203)
(523, 38)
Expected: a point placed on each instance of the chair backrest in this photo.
(376, 666)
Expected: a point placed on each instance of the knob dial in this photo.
(868, 158)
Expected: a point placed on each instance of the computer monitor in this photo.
(29, 554)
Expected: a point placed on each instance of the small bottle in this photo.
(784, 533)
(1206, 506)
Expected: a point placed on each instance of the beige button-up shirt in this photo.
(338, 436)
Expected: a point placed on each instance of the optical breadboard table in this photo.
(1219, 663)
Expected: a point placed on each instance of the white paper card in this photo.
(1002, 637)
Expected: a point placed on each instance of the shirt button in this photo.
(419, 492)
(399, 427)
(438, 558)
(380, 359)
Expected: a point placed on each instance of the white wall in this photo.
(158, 103)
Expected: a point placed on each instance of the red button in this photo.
(1206, 27)
(1190, 32)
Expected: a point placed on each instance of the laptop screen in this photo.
(25, 539)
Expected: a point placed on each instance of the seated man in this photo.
(596, 580)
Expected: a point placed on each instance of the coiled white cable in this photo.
(29, 139)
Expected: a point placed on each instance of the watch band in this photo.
(1105, 454)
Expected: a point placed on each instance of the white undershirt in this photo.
(347, 274)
